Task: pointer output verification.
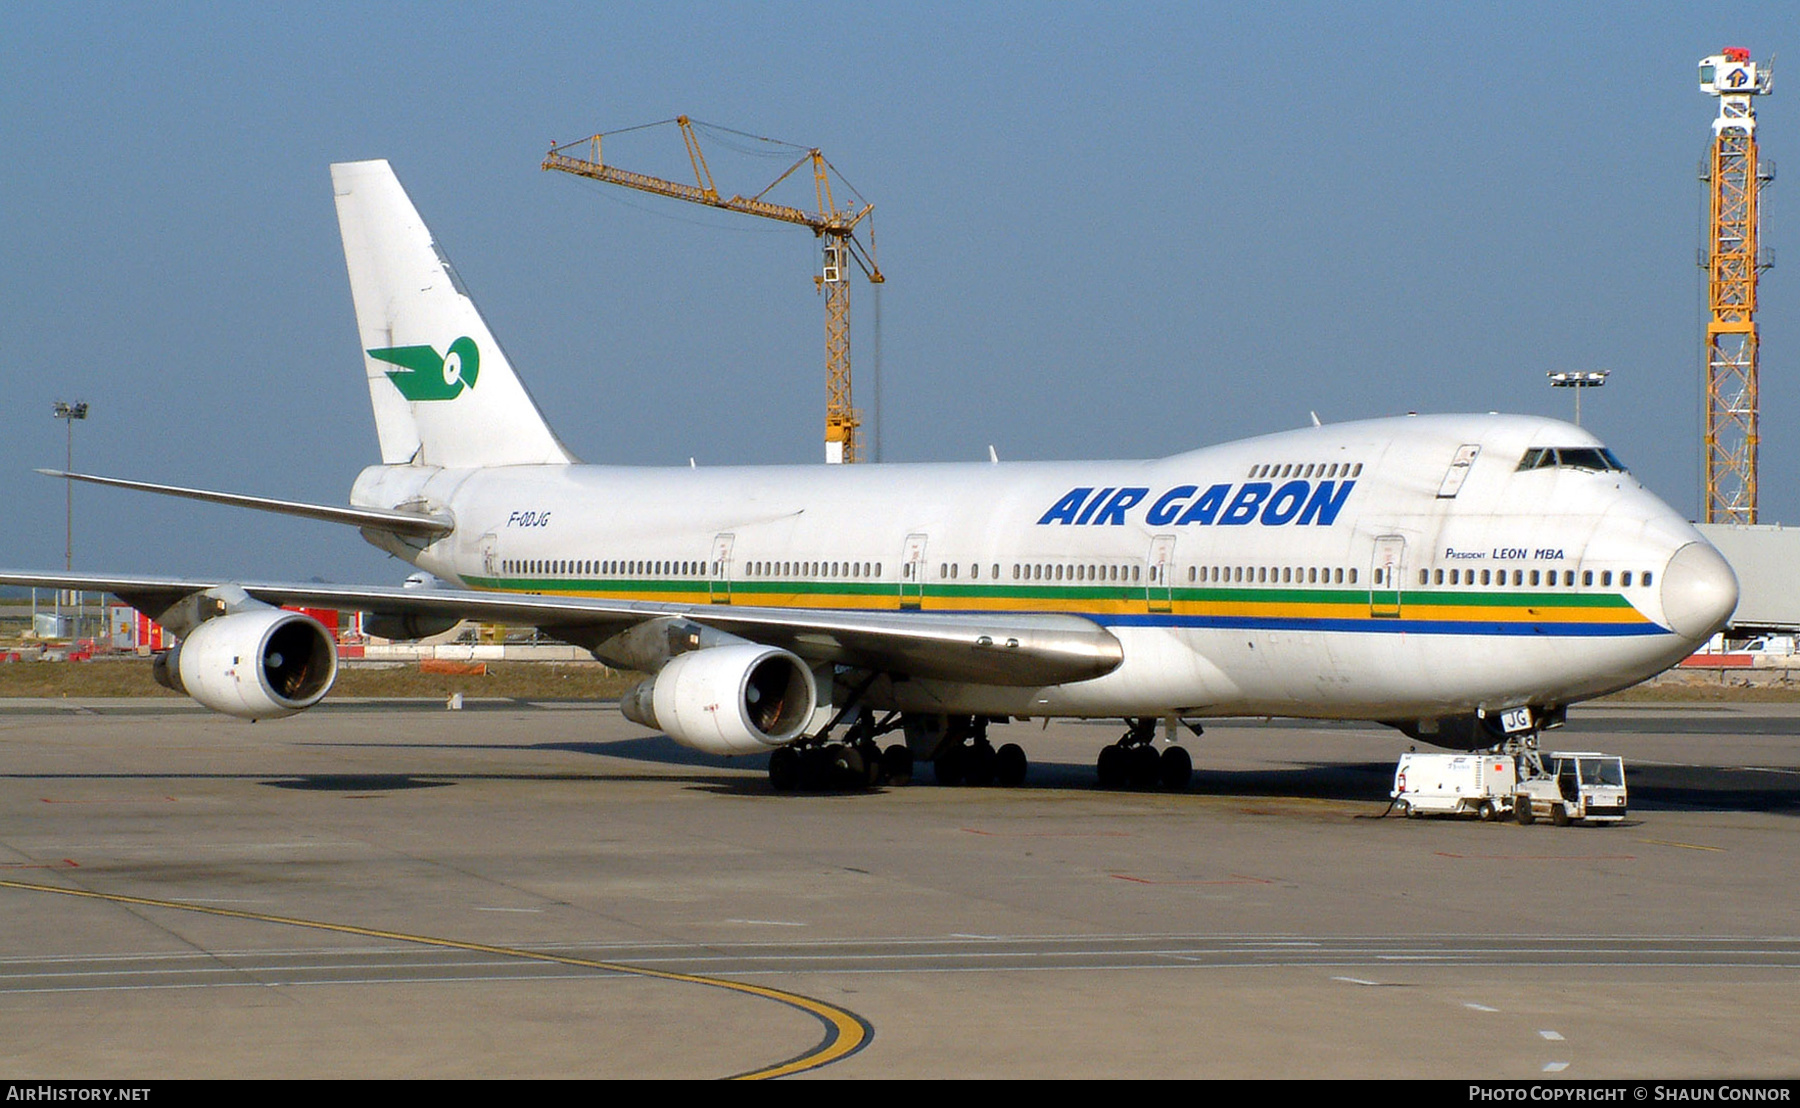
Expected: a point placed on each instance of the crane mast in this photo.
(1734, 262)
(834, 224)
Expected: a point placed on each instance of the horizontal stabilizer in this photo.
(379, 519)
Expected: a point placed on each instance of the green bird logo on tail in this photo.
(424, 374)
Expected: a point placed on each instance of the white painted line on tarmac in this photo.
(1552, 1036)
(1478, 1007)
(1555, 1067)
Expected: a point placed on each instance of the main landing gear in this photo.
(856, 761)
(1133, 761)
(966, 757)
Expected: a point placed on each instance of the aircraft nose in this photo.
(1699, 591)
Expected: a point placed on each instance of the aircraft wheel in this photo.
(1177, 769)
(947, 766)
(784, 769)
(1111, 766)
(1145, 767)
(1010, 765)
(848, 770)
(871, 758)
(896, 765)
(815, 768)
(978, 764)
(1522, 811)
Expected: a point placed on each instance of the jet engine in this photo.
(264, 663)
(738, 699)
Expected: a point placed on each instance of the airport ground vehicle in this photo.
(1564, 788)
(1455, 784)
(1584, 787)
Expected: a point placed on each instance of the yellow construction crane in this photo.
(834, 224)
(1734, 261)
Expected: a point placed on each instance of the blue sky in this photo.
(1118, 230)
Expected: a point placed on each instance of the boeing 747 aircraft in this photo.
(1464, 578)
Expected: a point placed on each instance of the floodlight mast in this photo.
(1590, 379)
(68, 412)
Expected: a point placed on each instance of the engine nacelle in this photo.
(738, 699)
(259, 664)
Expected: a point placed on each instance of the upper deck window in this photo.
(1598, 459)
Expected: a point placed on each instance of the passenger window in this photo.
(1646, 579)
(1625, 579)
(1587, 578)
(1606, 578)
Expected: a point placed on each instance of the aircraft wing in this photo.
(1005, 648)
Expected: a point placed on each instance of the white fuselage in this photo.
(1396, 568)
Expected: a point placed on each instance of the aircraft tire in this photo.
(1145, 767)
(815, 769)
(947, 765)
(896, 765)
(1111, 766)
(848, 770)
(978, 764)
(784, 769)
(1010, 765)
(871, 757)
(1177, 769)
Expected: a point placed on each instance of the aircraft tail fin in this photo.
(444, 392)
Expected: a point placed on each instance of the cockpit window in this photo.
(1598, 459)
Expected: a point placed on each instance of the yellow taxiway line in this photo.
(845, 1032)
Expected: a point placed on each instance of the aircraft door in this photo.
(912, 572)
(1159, 589)
(718, 584)
(1458, 471)
(490, 563)
(1385, 576)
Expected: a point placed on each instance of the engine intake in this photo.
(260, 664)
(738, 699)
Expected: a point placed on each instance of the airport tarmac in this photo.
(389, 889)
